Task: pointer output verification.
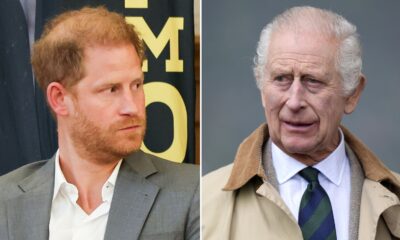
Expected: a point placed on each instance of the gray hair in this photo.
(348, 59)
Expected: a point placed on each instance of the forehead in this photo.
(111, 55)
(304, 47)
(110, 64)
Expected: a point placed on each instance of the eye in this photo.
(113, 89)
(313, 82)
(283, 80)
(137, 85)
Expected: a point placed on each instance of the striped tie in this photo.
(315, 215)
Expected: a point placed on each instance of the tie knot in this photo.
(310, 174)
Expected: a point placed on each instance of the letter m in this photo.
(170, 32)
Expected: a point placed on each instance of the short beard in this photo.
(103, 145)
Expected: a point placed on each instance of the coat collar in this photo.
(248, 161)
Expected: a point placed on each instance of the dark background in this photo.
(27, 130)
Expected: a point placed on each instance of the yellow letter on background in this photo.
(170, 96)
(136, 4)
(170, 32)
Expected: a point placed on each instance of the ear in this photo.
(352, 100)
(56, 97)
(262, 97)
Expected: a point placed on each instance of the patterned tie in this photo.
(315, 215)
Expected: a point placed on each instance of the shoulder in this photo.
(174, 168)
(213, 184)
(178, 194)
(217, 203)
(167, 175)
(21, 173)
(220, 175)
(397, 175)
(9, 182)
(175, 173)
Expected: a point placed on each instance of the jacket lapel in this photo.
(29, 213)
(133, 198)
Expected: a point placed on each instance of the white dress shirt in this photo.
(334, 177)
(68, 221)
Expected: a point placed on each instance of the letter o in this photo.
(170, 96)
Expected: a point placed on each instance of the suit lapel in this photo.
(133, 198)
(29, 213)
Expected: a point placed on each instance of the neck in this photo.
(86, 172)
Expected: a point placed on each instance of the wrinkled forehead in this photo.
(303, 44)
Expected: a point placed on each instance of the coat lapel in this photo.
(29, 213)
(133, 198)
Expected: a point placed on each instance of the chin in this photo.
(123, 148)
(128, 148)
(298, 147)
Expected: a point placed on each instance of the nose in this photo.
(295, 100)
(128, 104)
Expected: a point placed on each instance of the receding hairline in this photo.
(64, 28)
(59, 53)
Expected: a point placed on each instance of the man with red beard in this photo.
(98, 185)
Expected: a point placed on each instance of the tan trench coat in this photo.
(239, 203)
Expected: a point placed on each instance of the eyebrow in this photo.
(280, 70)
(112, 82)
(138, 79)
(310, 69)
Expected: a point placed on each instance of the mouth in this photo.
(130, 128)
(299, 127)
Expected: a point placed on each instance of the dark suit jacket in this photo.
(153, 199)
(27, 130)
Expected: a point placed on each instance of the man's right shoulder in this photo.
(9, 182)
(214, 182)
(220, 175)
(217, 203)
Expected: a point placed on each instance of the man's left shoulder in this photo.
(177, 198)
(396, 175)
(178, 175)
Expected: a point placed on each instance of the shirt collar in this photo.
(108, 187)
(59, 179)
(331, 167)
(248, 160)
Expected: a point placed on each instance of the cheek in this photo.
(140, 103)
(272, 106)
(330, 111)
(272, 103)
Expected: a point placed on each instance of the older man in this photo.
(98, 185)
(303, 176)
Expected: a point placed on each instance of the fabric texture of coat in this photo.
(239, 201)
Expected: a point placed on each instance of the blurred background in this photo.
(27, 130)
(231, 103)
